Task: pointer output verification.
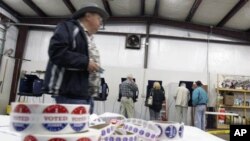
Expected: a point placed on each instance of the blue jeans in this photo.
(200, 118)
(65, 100)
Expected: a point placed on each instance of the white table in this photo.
(4, 120)
(190, 133)
(195, 134)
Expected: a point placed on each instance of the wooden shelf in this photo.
(233, 90)
(239, 107)
(234, 108)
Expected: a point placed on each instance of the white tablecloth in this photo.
(190, 133)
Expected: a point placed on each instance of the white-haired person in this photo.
(158, 97)
(181, 97)
(127, 90)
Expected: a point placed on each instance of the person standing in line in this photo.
(158, 97)
(73, 70)
(199, 100)
(181, 103)
(127, 90)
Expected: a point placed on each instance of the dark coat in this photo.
(66, 72)
(158, 99)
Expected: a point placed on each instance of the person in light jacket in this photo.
(181, 103)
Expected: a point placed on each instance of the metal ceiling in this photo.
(227, 16)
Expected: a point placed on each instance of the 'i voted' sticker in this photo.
(78, 118)
(171, 131)
(132, 139)
(109, 139)
(84, 139)
(30, 138)
(118, 139)
(21, 118)
(141, 132)
(57, 139)
(181, 129)
(147, 134)
(160, 130)
(55, 118)
(135, 130)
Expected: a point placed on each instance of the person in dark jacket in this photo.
(158, 98)
(73, 70)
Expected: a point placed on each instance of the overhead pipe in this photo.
(33, 25)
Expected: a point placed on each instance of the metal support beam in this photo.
(33, 6)
(232, 12)
(153, 20)
(216, 30)
(51, 28)
(5, 20)
(107, 7)
(39, 20)
(156, 9)
(193, 10)
(198, 40)
(146, 46)
(142, 7)
(9, 9)
(20, 45)
(69, 5)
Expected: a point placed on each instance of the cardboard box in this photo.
(229, 100)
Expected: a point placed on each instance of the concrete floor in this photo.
(223, 136)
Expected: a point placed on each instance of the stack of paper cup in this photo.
(44, 122)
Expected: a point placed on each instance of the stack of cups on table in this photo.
(52, 122)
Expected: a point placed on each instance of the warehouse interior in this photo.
(176, 40)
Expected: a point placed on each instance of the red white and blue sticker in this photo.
(30, 138)
(21, 117)
(147, 134)
(120, 139)
(57, 139)
(152, 136)
(84, 139)
(103, 133)
(78, 118)
(109, 139)
(141, 132)
(160, 130)
(171, 131)
(130, 128)
(135, 130)
(181, 131)
(55, 118)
